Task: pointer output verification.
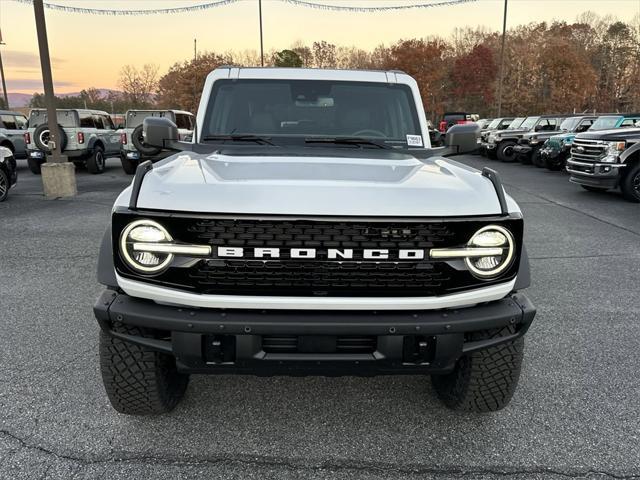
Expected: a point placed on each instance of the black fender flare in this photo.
(106, 270)
(523, 279)
(630, 152)
(92, 143)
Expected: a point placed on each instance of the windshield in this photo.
(603, 123)
(569, 123)
(494, 123)
(515, 123)
(529, 123)
(66, 118)
(286, 110)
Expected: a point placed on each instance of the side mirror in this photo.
(537, 128)
(119, 126)
(159, 132)
(463, 138)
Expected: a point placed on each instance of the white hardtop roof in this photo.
(275, 73)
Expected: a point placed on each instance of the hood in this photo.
(511, 133)
(367, 183)
(613, 135)
(540, 135)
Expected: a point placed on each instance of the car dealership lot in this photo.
(575, 412)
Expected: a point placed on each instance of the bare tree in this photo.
(139, 85)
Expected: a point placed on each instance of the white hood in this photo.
(370, 183)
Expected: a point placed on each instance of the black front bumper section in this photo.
(383, 342)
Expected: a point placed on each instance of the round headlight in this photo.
(492, 236)
(144, 231)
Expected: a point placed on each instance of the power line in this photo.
(221, 3)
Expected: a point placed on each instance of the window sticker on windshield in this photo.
(414, 140)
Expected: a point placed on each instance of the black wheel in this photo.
(139, 381)
(538, 160)
(555, 164)
(594, 189)
(96, 162)
(506, 153)
(138, 141)
(630, 184)
(4, 185)
(41, 138)
(483, 381)
(34, 165)
(129, 166)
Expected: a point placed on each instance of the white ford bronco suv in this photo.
(310, 229)
(87, 138)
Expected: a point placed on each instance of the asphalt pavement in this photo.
(576, 412)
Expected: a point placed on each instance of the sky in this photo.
(89, 50)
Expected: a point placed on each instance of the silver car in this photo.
(13, 125)
(87, 137)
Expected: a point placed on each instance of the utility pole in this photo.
(261, 42)
(4, 83)
(504, 35)
(195, 49)
(58, 175)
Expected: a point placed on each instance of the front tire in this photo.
(630, 184)
(4, 186)
(96, 162)
(129, 166)
(139, 381)
(485, 380)
(34, 165)
(506, 153)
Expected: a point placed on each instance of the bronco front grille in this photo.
(320, 276)
(587, 150)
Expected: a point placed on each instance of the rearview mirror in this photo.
(463, 138)
(159, 132)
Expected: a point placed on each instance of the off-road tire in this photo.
(589, 188)
(143, 148)
(505, 151)
(630, 184)
(34, 165)
(97, 161)
(139, 381)
(129, 166)
(538, 160)
(4, 185)
(37, 138)
(485, 380)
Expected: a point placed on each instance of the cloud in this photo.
(34, 85)
(20, 59)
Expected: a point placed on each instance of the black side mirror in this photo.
(463, 138)
(159, 132)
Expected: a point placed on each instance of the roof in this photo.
(276, 73)
(10, 112)
(84, 110)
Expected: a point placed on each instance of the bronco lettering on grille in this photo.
(329, 253)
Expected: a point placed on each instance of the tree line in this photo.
(592, 64)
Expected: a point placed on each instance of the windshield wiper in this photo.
(347, 141)
(240, 138)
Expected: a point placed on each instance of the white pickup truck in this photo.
(310, 229)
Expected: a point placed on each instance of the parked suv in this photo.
(87, 137)
(133, 148)
(454, 118)
(8, 173)
(496, 124)
(12, 128)
(529, 147)
(310, 229)
(504, 142)
(607, 159)
(490, 145)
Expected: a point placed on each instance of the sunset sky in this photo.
(89, 50)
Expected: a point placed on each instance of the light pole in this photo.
(504, 35)
(58, 175)
(261, 43)
(4, 83)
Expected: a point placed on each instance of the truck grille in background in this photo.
(320, 276)
(587, 150)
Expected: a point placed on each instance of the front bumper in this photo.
(599, 174)
(488, 146)
(223, 341)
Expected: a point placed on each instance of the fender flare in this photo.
(92, 143)
(106, 270)
(524, 272)
(630, 152)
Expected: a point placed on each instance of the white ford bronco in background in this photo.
(310, 229)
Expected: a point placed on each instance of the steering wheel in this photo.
(370, 133)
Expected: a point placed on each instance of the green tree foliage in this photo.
(287, 58)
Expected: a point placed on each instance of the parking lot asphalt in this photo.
(575, 413)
